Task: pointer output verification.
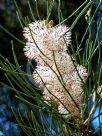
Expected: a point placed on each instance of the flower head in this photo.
(42, 40)
(56, 73)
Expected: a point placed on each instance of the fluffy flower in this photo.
(42, 40)
(54, 90)
(63, 61)
(55, 74)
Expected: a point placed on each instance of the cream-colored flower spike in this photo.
(42, 37)
(59, 79)
(52, 86)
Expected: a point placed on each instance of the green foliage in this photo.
(87, 54)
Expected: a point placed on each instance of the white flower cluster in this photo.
(55, 71)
